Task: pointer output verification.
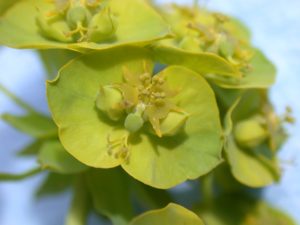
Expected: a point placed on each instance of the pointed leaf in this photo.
(54, 157)
(54, 183)
(31, 149)
(33, 124)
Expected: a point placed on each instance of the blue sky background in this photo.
(275, 27)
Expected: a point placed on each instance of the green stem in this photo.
(79, 209)
(207, 188)
(196, 3)
(21, 176)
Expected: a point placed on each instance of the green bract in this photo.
(250, 147)
(199, 33)
(80, 25)
(169, 117)
(261, 74)
(172, 214)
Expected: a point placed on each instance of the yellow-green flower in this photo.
(80, 25)
(111, 110)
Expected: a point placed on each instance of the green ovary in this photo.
(250, 133)
(79, 21)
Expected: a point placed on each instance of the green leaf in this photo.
(79, 210)
(54, 183)
(201, 63)
(110, 194)
(261, 75)
(84, 131)
(54, 157)
(243, 210)
(172, 214)
(21, 176)
(138, 24)
(33, 124)
(31, 149)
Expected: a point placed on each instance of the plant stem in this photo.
(78, 212)
(21, 176)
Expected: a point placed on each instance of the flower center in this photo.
(142, 100)
(217, 39)
(78, 20)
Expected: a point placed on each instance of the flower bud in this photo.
(173, 123)
(250, 133)
(109, 101)
(53, 31)
(133, 122)
(102, 26)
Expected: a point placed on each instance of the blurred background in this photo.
(275, 27)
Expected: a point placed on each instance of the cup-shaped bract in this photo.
(80, 25)
(172, 214)
(200, 32)
(170, 120)
(249, 141)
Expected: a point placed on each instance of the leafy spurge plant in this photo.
(167, 93)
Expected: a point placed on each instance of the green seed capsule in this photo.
(49, 30)
(190, 43)
(102, 26)
(226, 47)
(173, 123)
(133, 122)
(250, 133)
(77, 15)
(109, 100)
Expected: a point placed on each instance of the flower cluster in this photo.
(161, 94)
